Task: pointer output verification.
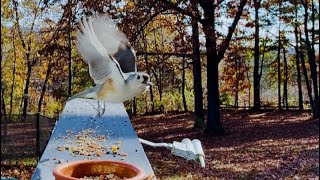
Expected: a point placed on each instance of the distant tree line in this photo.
(200, 54)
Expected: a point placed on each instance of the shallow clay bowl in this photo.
(78, 169)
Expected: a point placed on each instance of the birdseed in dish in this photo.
(103, 177)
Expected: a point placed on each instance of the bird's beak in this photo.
(149, 83)
(146, 80)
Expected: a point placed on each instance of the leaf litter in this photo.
(257, 145)
(265, 145)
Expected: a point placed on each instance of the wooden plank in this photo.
(81, 115)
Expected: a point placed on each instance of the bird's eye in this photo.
(138, 77)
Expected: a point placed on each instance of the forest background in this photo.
(201, 56)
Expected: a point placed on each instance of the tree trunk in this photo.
(159, 84)
(3, 108)
(297, 59)
(308, 84)
(185, 107)
(300, 101)
(305, 73)
(313, 25)
(312, 62)
(214, 125)
(236, 99)
(69, 59)
(27, 49)
(13, 73)
(42, 94)
(278, 61)
(5, 120)
(152, 100)
(159, 77)
(262, 59)
(279, 75)
(146, 108)
(148, 71)
(44, 87)
(134, 106)
(256, 74)
(248, 79)
(26, 88)
(161, 72)
(285, 83)
(196, 68)
(150, 89)
(161, 87)
(3, 104)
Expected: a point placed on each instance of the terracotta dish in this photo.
(78, 169)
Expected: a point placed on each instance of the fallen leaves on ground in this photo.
(17, 169)
(264, 145)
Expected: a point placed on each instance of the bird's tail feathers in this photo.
(87, 94)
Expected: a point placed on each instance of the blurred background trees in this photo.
(201, 56)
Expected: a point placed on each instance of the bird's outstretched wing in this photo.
(115, 42)
(93, 52)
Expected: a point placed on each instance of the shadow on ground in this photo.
(267, 144)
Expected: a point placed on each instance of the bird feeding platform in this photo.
(89, 129)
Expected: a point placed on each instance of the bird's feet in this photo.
(101, 109)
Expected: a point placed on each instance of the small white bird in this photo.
(111, 60)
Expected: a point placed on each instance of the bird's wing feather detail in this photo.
(115, 42)
(126, 57)
(97, 57)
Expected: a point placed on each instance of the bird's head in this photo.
(139, 80)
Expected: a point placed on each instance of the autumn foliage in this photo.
(202, 57)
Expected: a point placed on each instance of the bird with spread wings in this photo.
(111, 61)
